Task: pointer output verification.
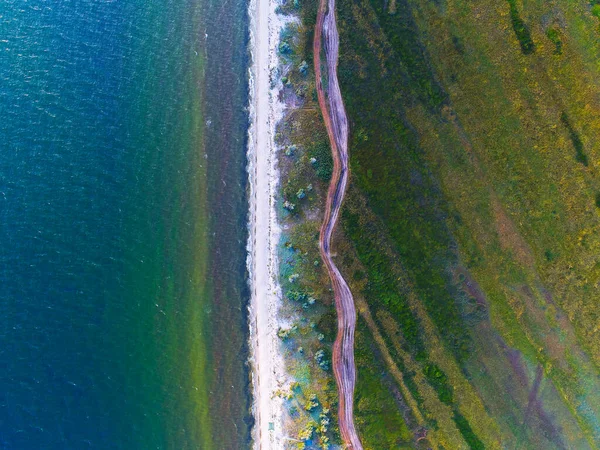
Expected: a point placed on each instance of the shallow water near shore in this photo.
(123, 225)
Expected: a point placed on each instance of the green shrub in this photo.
(323, 164)
(521, 30)
(580, 155)
(554, 35)
(439, 382)
(467, 432)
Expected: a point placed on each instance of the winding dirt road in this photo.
(336, 123)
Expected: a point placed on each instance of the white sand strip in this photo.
(268, 372)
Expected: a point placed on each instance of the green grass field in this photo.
(470, 231)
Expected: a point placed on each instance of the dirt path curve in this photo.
(336, 123)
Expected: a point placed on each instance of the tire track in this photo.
(336, 122)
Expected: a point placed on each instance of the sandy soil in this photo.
(268, 372)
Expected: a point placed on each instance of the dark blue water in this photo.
(109, 258)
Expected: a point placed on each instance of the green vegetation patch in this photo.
(378, 414)
(553, 34)
(320, 158)
(439, 381)
(580, 154)
(521, 29)
(467, 432)
(382, 287)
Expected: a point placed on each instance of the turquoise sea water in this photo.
(123, 224)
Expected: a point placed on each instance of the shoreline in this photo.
(265, 110)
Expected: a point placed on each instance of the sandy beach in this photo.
(268, 373)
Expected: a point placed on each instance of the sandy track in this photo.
(336, 122)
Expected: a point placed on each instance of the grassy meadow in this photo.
(470, 230)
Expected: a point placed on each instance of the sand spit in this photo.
(267, 363)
